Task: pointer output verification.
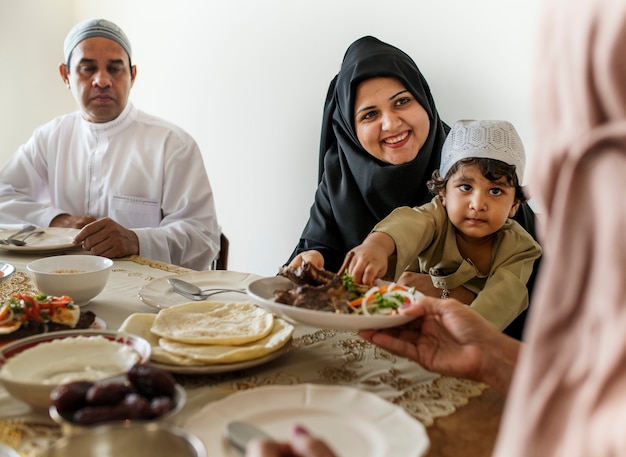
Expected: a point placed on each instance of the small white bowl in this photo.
(81, 277)
(28, 365)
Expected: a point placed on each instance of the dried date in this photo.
(148, 394)
(152, 382)
(70, 397)
(95, 414)
(106, 394)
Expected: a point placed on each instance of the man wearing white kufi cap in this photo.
(465, 235)
(131, 182)
(92, 28)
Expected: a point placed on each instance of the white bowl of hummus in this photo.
(81, 277)
(32, 367)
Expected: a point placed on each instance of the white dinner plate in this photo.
(98, 324)
(353, 422)
(6, 270)
(159, 294)
(262, 290)
(53, 239)
(222, 367)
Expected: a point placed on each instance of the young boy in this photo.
(464, 236)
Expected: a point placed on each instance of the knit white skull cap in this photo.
(92, 28)
(483, 139)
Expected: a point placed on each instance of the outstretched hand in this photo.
(450, 338)
(315, 258)
(367, 262)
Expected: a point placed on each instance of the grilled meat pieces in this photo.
(315, 289)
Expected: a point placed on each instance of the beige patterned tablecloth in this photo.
(315, 356)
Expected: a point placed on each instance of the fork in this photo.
(24, 229)
(22, 241)
(206, 293)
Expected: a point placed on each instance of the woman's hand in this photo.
(315, 258)
(450, 338)
(300, 444)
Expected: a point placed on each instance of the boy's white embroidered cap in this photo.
(483, 139)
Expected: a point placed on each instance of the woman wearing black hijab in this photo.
(356, 188)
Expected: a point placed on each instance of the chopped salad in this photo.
(21, 308)
(381, 299)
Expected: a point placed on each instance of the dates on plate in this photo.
(148, 394)
(70, 397)
(151, 382)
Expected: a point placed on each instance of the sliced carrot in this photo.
(4, 312)
(359, 301)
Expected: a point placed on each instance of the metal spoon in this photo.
(22, 241)
(193, 292)
(24, 229)
(239, 434)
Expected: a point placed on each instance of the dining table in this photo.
(461, 417)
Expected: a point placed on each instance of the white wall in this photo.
(31, 48)
(248, 79)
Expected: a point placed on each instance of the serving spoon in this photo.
(193, 292)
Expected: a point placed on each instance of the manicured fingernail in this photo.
(299, 430)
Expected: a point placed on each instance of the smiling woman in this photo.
(390, 123)
(381, 141)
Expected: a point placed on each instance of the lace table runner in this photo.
(314, 356)
(342, 358)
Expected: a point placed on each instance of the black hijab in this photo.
(357, 190)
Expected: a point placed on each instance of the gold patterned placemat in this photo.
(157, 264)
(28, 438)
(18, 283)
(343, 358)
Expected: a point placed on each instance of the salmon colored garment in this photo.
(568, 397)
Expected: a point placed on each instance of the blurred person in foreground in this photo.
(131, 182)
(565, 385)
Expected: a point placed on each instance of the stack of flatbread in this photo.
(209, 333)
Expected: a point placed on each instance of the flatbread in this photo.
(207, 322)
(140, 324)
(214, 354)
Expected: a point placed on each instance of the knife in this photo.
(240, 433)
